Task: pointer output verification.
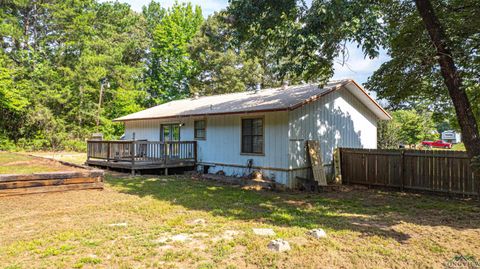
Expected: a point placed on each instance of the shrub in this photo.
(75, 145)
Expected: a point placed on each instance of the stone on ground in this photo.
(123, 224)
(227, 235)
(180, 237)
(279, 245)
(317, 233)
(199, 222)
(263, 231)
(174, 238)
(200, 234)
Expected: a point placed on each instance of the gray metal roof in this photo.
(273, 99)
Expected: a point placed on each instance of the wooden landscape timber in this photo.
(50, 182)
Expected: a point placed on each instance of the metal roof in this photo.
(266, 100)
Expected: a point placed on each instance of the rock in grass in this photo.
(263, 231)
(199, 222)
(180, 237)
(279, 245)
(122, 224)
(317, 233)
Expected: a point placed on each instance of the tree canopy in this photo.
(222, 65)
(66, 65)
(62, 63)
(433, 45)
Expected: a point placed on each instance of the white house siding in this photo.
(336, 120)
(222, 146)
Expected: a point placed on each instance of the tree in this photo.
(412, 78)
(325, 26)
(53, 55)
(413, 127)
(388, 135)
(451, 76)
(222, 65)
(169, 63)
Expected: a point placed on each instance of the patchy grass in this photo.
(67, 156)
(459, 146)
(15, 163)
(366, 228)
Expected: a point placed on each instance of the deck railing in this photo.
(142, 151)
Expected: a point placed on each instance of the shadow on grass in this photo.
(371, 213)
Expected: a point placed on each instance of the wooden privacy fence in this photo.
(425, 170)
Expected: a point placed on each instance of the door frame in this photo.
(162, 138)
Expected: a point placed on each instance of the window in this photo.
(252, 136)
(199, 126)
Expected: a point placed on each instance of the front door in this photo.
(170, 133)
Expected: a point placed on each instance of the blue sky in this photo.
(356, 66)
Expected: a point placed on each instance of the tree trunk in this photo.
(466, 119)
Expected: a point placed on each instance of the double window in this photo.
(200, 129)
(252, 136)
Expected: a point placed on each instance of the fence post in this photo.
(402, 168)
(365, 166)
(108, 151)
(476, 179)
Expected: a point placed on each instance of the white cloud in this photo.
(356, 65)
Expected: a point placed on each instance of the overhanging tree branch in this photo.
(451, 76)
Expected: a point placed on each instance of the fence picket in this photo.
(432, 170)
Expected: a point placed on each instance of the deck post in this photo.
(166, 171)
(195, 151)
(132, 149)
(165, 152)
(88, 151)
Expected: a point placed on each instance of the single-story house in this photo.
(267, 129)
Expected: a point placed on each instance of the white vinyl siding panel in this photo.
(337, 120)
(223, 143)
(222, 146)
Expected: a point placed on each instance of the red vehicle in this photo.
(437, 144)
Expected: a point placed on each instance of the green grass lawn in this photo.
(131, 223)
(459, 146)
(16, 163)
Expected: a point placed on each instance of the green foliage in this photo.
(221, 65)
(413, 127)
(411, 78)
(53, 57)
(308, 38)
(302, 40)
(388, 136)
(169, 64)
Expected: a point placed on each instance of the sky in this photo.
(356, 67)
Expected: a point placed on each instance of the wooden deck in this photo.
(141, 155)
